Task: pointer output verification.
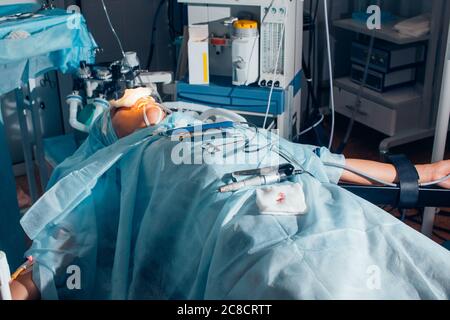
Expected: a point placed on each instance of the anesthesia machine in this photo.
(250, 55)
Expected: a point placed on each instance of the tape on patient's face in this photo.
(131, 97)
(158, 120)
(147, 103)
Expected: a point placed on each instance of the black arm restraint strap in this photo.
(409, 181)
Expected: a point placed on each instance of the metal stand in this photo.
(26, 144)
(38, 134)
(415, 107)
(11, 235)
(32, 106)
(12, 239)
(402, 139)
(440, 141)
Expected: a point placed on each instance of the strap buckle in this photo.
(409, 181)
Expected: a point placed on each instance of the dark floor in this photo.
(365, 141)
(364, 145)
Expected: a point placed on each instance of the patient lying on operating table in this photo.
(123, 219)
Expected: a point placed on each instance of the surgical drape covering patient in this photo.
(133, 223)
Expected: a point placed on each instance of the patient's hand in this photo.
(439, 170)
(24, 288)
(128, 112)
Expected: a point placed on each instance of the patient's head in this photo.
(135, 110)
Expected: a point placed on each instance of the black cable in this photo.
(154, 27)
(172, 31)
(306, 68)
(247, 144)
(170, 17)
(312, 104)
(358, 102)
(316, 11)
(320, 134)
(311, 53)
(172, 6)
(314, 46)
(113, 29)
(309, 79)
(357, 105)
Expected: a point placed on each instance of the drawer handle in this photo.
(359, 111)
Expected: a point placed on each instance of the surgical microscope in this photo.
(96, 84)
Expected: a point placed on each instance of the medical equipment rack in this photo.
(405, 114)
(411, 113)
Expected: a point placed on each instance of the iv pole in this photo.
(440, 141)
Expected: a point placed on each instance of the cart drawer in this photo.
(371, 114)
(245, 99)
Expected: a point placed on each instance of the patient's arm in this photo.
(387, 172)
(23, 288)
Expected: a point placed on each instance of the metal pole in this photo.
(12, 239)
(38, 134)
(26, 145)
(440, 141)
